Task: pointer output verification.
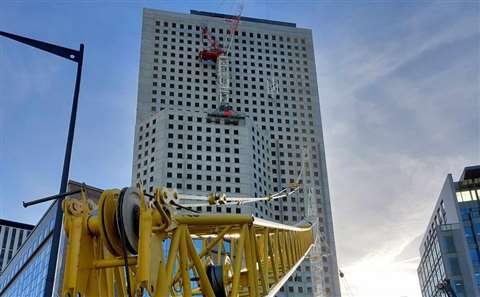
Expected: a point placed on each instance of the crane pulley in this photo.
(131, 245)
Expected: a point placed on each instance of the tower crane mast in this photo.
(219, 55)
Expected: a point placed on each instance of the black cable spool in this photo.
(126, 239)
(127, 216)
(215, 277)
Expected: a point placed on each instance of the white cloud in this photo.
(379, 274)
(354, 62)
(399, 115)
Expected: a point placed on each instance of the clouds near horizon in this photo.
(401, 111)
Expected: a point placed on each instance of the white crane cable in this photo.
(232, 200)
(233, 28)
(346, 284)
(223, 199)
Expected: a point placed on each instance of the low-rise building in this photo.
(25, 274)
(12, 235)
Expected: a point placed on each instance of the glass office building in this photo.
(468, 196)
(450, 249)
(25, 275)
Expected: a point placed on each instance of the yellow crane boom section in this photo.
(131, 246)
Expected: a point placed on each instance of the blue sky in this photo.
(399, 92)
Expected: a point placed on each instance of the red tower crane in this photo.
(219, 55)
(215, 49)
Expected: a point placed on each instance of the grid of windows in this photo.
(273, 83)
(25, 273)
(12, 235)
(431, 270)
(31, 281)
(470, 213)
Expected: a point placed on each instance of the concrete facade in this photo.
(178, 146)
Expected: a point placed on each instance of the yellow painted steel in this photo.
(108, 263)
(205, 285)
(214, 220)
(255, 256)
(237, 266)
(187, 288)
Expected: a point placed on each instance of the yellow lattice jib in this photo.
(132, 246)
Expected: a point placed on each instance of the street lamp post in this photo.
(76, 56)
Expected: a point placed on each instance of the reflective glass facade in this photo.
(453, 255)
(450, 248)
(26, 273)
(431, 270)
(470, 212)
(30, 282)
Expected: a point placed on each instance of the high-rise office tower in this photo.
(450, 249)
(266, 134)
(12, 235)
